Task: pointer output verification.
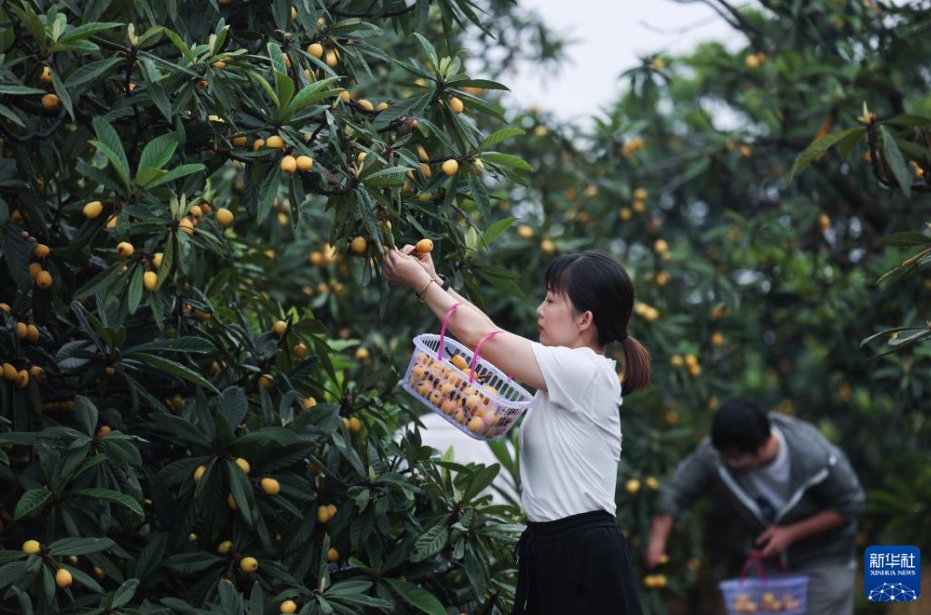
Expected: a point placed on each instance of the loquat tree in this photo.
(194, 202)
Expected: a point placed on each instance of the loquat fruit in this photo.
(51, 102)
(289, 164)
(150, 280)
(305, 163)
(358, 245)
(270, 486)
(224, 216)
(92, 209)
(450, 167)
(43, 279)
(32, 546)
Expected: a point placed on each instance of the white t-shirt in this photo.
(570, 437)
(772, 480)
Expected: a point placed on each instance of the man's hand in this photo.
(659, 533)
(775, 540)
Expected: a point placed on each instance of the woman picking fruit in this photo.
(572, 557)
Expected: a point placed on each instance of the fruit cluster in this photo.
(769, 603)
(475, 408)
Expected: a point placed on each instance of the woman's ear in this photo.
(585, 320)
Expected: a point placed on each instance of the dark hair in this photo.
(740, 425)
(595, 282)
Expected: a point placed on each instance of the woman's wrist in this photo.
(443, 282)
(421, 289)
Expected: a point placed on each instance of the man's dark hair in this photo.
(740, 425)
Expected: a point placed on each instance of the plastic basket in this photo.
(785, 594)
(469, 392)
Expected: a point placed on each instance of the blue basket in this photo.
(785, 595)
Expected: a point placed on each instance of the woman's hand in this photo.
(403, 269)
(425, 259)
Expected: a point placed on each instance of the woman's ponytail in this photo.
(636, 366)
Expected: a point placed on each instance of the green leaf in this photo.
(11, 115)
(86, 31)
(124, 593)
(109, 495)
(189, 563)
(177, 173)
(909, 119)
(233, 405)
(183, 47)
(174, 368)
(502, 278)
(893, 156)
(83, 579)
(108, 142)
(495, 230)
(284, 85)
(419, 598)
(150, 557)
(91, 72)
(147, 175)
(312, 94)
(19, 90)
(241, 490)
(412, 106)
(33, 23)
(12, 571)
(100, 282)
(818, 147)
(431, 541)
(480, 480)
(427, 49)
(16, 254)
(267, 194)
(86, 413)
(482, 83)
(500, 135)
(158, 151)
(63, 95)
(906, 239)
(79, 546)
(265, 86)
(31, 501)
(507, 160)
(134, 294)
(190, 344)
(231, 600)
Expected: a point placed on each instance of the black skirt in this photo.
(577, 565)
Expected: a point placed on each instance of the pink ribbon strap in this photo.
(449, 314)
(475, 354)
(756, 558)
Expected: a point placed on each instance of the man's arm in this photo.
(693, 478)
(659, 533)
(778, 538)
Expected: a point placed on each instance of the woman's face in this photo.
(556, 321)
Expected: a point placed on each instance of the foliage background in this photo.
(759, 198)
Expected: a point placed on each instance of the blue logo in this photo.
(892, 574)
